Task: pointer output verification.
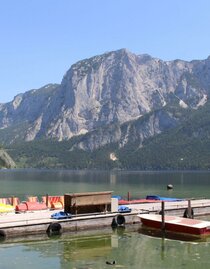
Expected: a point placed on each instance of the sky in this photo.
(41, 39)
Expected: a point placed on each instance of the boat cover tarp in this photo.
(160, 198)
(61, 215)
(123, 209)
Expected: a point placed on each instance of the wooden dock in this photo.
(40, 222)
(200, 207)
(12, 225)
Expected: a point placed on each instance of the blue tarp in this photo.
(61, 215)
(123, 209)
(156, 197)
(117, 196)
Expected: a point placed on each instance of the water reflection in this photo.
(131, 249)
(113, 179)
(172, 236)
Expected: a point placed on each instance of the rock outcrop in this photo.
(5, 160)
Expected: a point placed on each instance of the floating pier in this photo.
(40, 222)
(30, 223)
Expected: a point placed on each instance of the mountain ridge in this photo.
(99, 97)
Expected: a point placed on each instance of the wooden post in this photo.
(189, 209)
(128, 196)
(163, 248)
(163, 216)
(12, 201)
(47, 199)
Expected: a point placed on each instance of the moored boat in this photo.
(4, 208)
(54, 202)
(30, 206)
(129, 201)
(176, 224)
(161, 198)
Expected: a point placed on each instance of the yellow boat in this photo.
(6, 208)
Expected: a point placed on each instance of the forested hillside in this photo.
(183, 147)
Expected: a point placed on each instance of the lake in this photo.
(129, 247)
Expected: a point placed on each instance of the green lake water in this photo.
(129, 247)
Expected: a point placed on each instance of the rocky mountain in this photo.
(185, 146)
(5, 160)
(108, 98)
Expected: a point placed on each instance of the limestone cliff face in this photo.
(113, 88)
(129, 132)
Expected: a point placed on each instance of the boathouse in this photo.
(87, 202)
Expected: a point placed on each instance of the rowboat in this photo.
(176, 224)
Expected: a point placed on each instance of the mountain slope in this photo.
(139, 130)
(185, 146)
(116, 110)
(105, 90)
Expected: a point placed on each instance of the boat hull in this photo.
(178, 225)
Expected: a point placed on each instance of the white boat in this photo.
(176, 224)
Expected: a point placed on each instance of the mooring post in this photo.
(189, 209)
(163, 216)
(47, 199)
(12, 201)
(128, 196)
(105, 208)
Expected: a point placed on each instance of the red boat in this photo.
(177, 224)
